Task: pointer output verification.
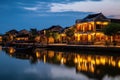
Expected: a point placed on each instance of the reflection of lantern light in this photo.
(11, 50)
(113, 63)
(63, 60)
(119, 63)
(80, 59)
(51, 54)
(59, 56)
(93, 61)
(103, 61)
(78, 67)
(44, 58)
(92, 68)
(37, 54)
(89, 58)
(97, 61)
(75, 60)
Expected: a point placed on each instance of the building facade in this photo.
(89, 30)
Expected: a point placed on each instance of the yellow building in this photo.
(89, 29)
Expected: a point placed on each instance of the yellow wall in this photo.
(50, 40)
(86, 26)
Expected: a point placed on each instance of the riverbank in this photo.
(71, 47)
(100, 48)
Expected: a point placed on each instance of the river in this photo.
(45, 64)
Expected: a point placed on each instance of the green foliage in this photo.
(55, 35)
(33, 32)
(112, 29)
(48, 33)
(70, 32)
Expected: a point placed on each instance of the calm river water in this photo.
(42, 64)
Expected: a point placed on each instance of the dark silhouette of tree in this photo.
(70, 33)
(112, 29)
(33, 34)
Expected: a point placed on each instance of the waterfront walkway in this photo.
(72, 47)
(112, 46)
(60, 44)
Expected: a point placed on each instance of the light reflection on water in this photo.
(42, 64)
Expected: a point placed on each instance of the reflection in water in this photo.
(94, 66)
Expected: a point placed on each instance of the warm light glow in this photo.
(119, 63)
(75, 60)
(37, 38)
(59, 56)
(98, 22)
(102, 60)
(89, 38)
(92, 22)
(11, 50)
(63, 35)
(97, 61)
(63, 60)
(93, 61)
(51, 54)
(51, 40)
(0, 38)
(37, 54)
(44, 58)
(105, 23)
(92, 69)
(113, 63)
(89, 58)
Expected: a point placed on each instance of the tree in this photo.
(70, 33)
(34, 33)
(56, 36)
(48, 34)
(112, 29)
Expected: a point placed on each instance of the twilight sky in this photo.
(40, 14)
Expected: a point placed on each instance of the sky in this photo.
(41, 14)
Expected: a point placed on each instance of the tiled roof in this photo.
(92, 17)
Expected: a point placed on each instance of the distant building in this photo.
(55, 28)
(23, 35)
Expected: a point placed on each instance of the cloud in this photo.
(73, 6)
(106, 7)
(114, 16)
(57, 6)
(62, 73)
(31, 8)
(31, 70)
(111, 78)
(36, 7)
(67, 14)
(49, 5)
